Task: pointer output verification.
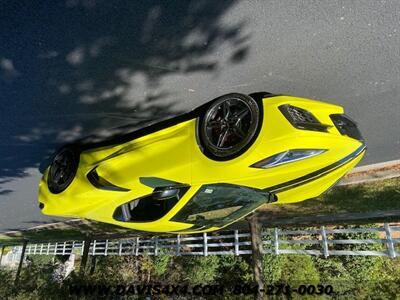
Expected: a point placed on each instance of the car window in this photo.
(151, 207)
(214, 214)
(218, 203)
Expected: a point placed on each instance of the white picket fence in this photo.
(321, 241)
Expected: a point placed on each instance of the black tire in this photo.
(63, 169)
(229, 126)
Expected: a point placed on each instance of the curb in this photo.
(385, 164)
(374, 172)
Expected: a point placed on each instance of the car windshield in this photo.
(219, 204)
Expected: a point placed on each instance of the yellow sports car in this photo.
(206, 169)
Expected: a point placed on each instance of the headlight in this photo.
(287, 157)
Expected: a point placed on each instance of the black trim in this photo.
(102, 183)
(346, 126)
(258, 96)
(156, 182)
(316, 174)
(314, 124)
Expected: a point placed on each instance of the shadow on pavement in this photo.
(68, 70)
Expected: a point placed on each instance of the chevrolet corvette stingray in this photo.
(208, 168)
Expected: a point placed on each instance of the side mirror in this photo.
(165, 194)
(270, 197)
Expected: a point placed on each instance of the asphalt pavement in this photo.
(73, 68)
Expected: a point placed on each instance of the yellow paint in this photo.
(173, 154)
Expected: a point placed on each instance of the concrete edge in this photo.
(373, 172)
(377, 166)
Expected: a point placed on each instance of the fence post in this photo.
(178, 245)
(106, 248)
(389, 239)
(205, 245)
(64, 246)
(92, 264)
(156, 246)
(41, 248)
(85, 254)
(55, 248)
(236, 242)
(276, 241)
(119, 248)
(137, 247)
(94, 248)
(324, 242)
(2, 253)
(257, 256)
(21, 261)
(133, 247)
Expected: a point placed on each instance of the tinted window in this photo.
(219, 203)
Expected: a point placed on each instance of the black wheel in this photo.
(229, 126)
(63, 169)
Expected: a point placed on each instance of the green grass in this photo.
(370, 197)
(361, 198)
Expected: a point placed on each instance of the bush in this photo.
(234, 269)
(160, 264)
(199, 270)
